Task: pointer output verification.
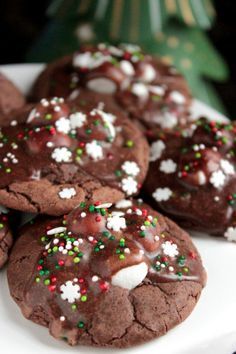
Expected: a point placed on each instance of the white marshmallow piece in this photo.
(130, 277)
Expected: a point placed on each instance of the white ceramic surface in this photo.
(210, 329)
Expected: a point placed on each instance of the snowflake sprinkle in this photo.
(116, 221)
(94, 150)
(70, 291)
(230, 234)
(63, 125)
(156, 150)
(129, 185)
(170, 249)
(168, 166)
(217, 179)
(227, 167)
(130, 168)
(62, 154)
(162, 194)
(77, 120)
(67, 193)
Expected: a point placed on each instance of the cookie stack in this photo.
(104, 128)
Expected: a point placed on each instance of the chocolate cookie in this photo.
(192, 176)
(5, 236)
(55, 156)
(106, 275)
(144, 86)
(10, 96)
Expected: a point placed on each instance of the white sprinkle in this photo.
(56, 230)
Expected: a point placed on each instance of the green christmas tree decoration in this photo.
(172, 29)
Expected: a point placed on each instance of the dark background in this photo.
(22, 20)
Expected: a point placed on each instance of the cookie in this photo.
(149, 90)
(56, 155)
(10, 96)
(106, 275)
(6, 239)
(192, 176)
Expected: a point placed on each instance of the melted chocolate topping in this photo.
(63, 144)
(192, 175)
(144, 86)
(83, 255)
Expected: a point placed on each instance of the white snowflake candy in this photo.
(170, 249)
(63, 125)
(70, 292)
(130, 168)
(129, 185)
(94, 150)
(162, 194)
(227, 167)
(230, 234)
(156, 150)
(61, 154)
(67, 193)
(77, 120)
(168, 166)
(116, 221)
(217, 179)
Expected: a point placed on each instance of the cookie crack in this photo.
(24, 195)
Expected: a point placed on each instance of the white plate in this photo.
(210, 329)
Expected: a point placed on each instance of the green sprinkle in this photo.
(76, 260)
(37, 280)
(129, 143)
(48, 116)
(83, 298)
(91, 208)
(118, 173)
(121, 256)
(47, 282)
(80, 324)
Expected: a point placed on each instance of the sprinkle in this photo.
(129, 185)
(62, 154)
(77, 120)
(130, 168)
(170, 249)
(70, 291)
(56, 230)
(156, 150)
(217, 179)
(67, 193)
(168, 166)
(116, 222)
(162, 194)
(94, 150)
(63, 125)
(230, 233)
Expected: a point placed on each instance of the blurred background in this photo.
(198, 36)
